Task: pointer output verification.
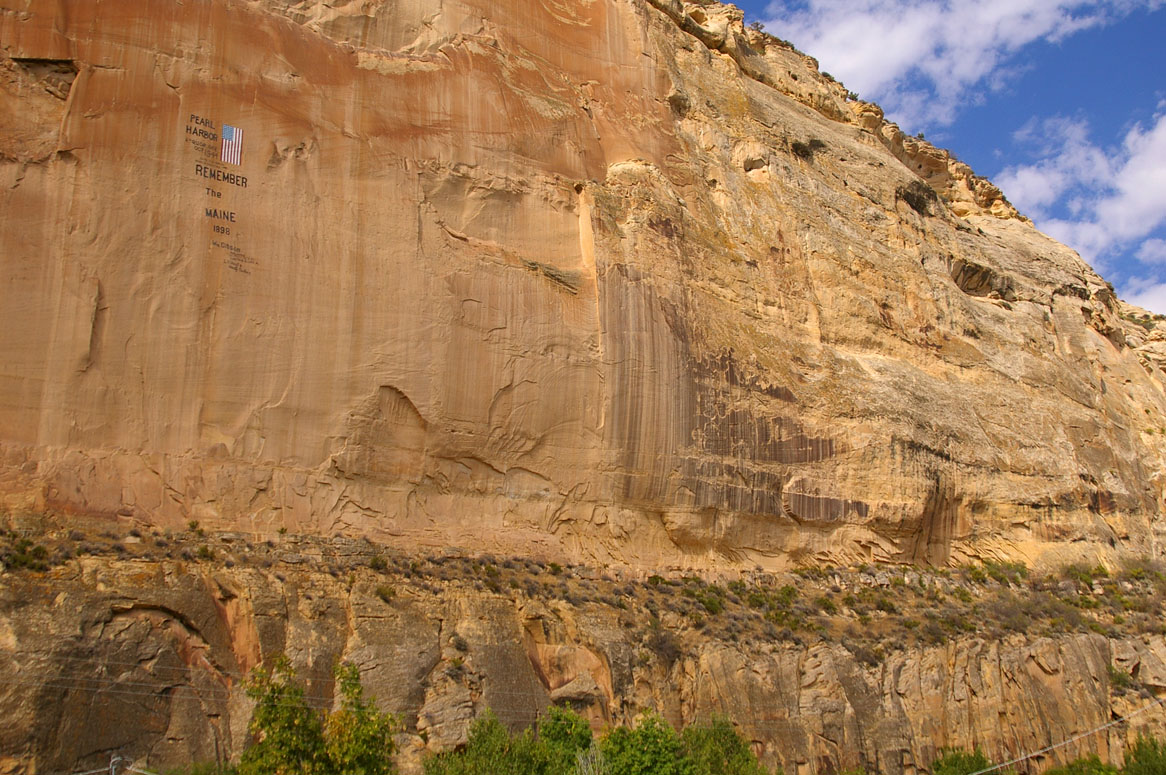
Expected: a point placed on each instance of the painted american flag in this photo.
(232, 152)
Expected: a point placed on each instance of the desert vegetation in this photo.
(873, 611)
(290, 735)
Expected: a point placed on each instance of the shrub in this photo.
(886, 605)
(663, 644)
(1119, 679)
(711, 602)
(486, 751)
(591, 762)
(1006, 572)
(1146, 757)
(956, 761)
(1089, 765)
(807, 150)
(25, 554)
(918, 195)
(864, 654)
(1083, 574)
(652, 747)
(717, 749)
(562, 736)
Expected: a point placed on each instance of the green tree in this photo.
(717, 749)
(1146, 757)
(651, 748)
(564, 734)
(293, 739)
(358, 739)
(487, 751)
(289, 737)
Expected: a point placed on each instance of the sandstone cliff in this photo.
(617, 281)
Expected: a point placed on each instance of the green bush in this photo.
(293, 739)
(918, 195)
(1146, 757)
(956, 761)
(652, 747)
(807, 150)
(717, 749)
(1083, 574)
(25, 554)
(491, 750)
(566, 736)
(1006, 572)
(487, 751)
(1120, 679)
(1089, 765)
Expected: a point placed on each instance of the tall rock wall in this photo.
(617, 281)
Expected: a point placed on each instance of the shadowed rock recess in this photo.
(616, 283)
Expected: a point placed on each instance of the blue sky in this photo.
(1062, 103)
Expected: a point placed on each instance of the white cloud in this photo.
(1137, 203)
(1108, 199)
(1146, 293)
(922, 58)
(1070, 161)
(1152, 251)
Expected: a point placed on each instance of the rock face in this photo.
(160, 648)
(617, 281)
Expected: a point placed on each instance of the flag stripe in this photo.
(232, 147)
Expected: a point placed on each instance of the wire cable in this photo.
(1158, 701)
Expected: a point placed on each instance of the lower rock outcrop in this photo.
(146, 656)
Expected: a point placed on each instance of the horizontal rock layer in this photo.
(617, 281)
